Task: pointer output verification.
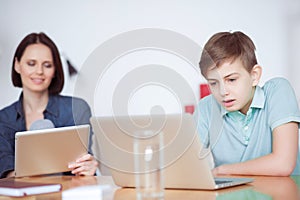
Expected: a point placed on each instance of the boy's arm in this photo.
(281, 162)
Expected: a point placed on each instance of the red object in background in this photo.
(204, 90)
(189, 109)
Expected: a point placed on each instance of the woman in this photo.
(37, 69)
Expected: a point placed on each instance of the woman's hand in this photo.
(85, 165)
(10, 174)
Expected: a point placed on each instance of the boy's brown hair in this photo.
(227, 46)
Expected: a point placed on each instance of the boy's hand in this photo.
(215, 171)
(220, 170)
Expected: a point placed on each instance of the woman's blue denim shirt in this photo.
(61, 110)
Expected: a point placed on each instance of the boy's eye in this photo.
(231, 79)
(212, 83)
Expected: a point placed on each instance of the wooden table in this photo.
(262, 188)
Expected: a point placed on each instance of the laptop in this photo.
(185, 160)
(49, 151)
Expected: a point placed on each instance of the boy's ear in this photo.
(256, 74)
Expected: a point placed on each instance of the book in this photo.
(17, 188)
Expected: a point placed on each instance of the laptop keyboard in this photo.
(221, 181)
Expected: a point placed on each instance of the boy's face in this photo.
(232, 85)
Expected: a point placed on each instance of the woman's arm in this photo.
(7, 158)
(281, 162)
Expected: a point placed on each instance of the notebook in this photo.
(185, 160)
(48, 151)
(17, 188)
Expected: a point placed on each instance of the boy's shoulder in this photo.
(208, 103)
(278, 88)
(206, 100)
(277, 82)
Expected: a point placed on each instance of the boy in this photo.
(251, 130)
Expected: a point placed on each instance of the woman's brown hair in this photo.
(57, 82)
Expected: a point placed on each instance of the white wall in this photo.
(80, 27)
(293, 44)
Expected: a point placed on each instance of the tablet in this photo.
(49, 151)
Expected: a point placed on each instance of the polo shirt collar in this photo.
(257, 102)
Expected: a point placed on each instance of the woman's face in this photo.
(36, 68)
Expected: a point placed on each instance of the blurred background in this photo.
(79, 27)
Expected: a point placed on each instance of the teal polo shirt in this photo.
(235, 137)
